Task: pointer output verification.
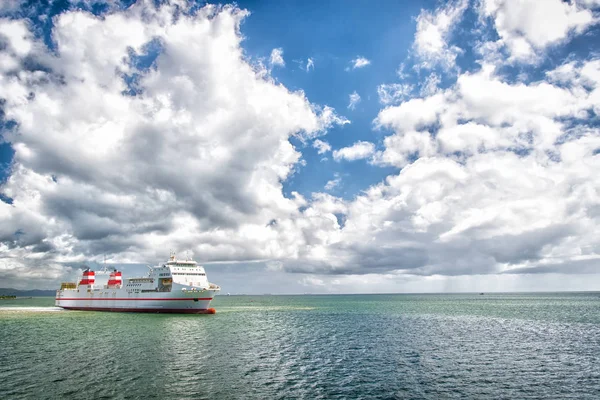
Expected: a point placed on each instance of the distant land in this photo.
(26, 293)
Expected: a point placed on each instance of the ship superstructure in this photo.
(177, 286)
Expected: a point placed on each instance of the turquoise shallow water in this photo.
(273, 347)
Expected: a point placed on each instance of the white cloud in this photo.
(357, 151)
(310, 64)
(400, 72)
(491, 180)
(577, 74)
(335, 182)
(312, 281)
(493, 176)
(397, 282)
(501, 115)
(527, 27)
(354, 100)
(327, 118)
(412, 113)
(495, 212)
(430, 86)
(393, 92)
(431, 43)
(9, 6)
(195, 162)
(589, 3)
(20, 40)
(276, 58)
(360, 62)
(321, 146)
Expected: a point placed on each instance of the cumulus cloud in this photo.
(276, 58)
(360, 62)
(493, 170)
(354, 100)
(357, 151)
(392, 93)
(500, 116)
(9, 6)
(520, 27)
(333, 183)
(115, 157)
(321, 146)
(492, 175)
(430, 86)
(434, 29)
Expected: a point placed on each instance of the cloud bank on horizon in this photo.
(130, 130)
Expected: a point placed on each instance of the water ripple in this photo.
(311, 347)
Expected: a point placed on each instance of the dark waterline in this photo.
(526, 345)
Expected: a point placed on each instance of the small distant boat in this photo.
(178, 286)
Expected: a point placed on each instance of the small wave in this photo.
(30, 309)
(261, 308)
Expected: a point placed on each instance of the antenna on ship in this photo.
(104, 269)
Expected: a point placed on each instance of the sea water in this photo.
(518, 346)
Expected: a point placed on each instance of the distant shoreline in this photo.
(4, 292)
(15, 297)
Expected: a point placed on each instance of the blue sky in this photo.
(333, 35)
(466, 160)
(304, 31)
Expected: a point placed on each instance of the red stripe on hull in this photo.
(147, 310)
(130, 299)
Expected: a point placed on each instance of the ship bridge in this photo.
(184, 272)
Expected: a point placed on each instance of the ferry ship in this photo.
(178, 286)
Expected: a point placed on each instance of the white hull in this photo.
(178, 286)
(176, 301)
